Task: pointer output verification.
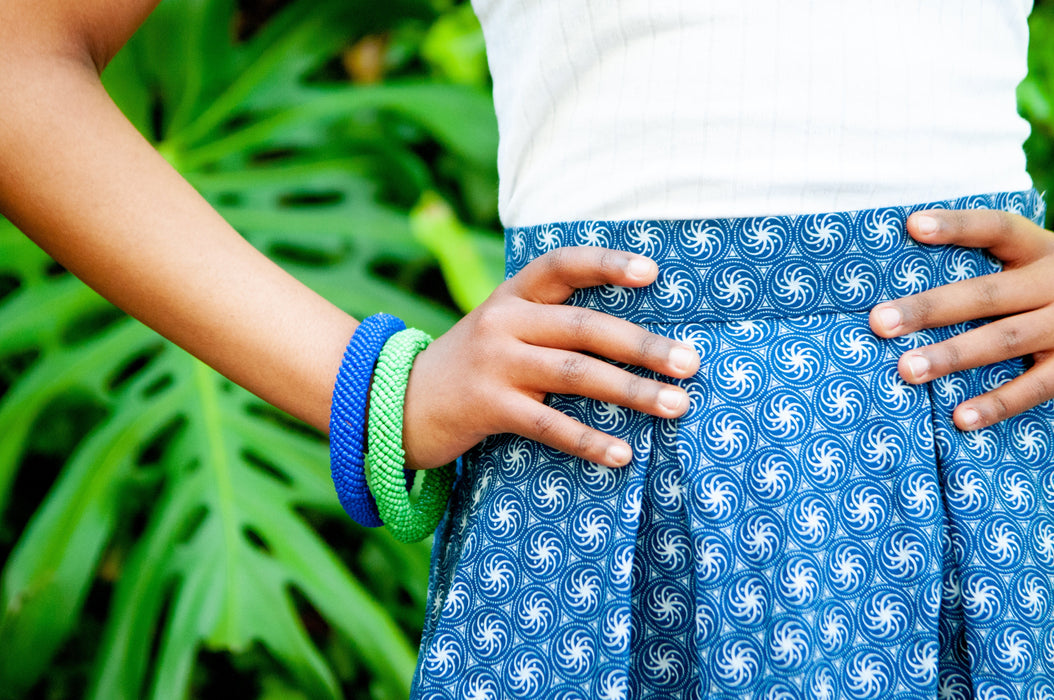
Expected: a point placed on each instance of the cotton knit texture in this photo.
(685, 110)
(408, 522)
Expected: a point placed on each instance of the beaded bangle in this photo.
(347, 416)
(408, 522)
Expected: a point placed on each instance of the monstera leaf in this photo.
(201, 500)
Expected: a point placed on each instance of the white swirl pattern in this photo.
(813, 527)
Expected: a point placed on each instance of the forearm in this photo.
(81, 182)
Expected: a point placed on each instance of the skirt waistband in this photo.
(771, 266)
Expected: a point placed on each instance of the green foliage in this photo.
(436, 226)
(196, 500)
(455, 46)
(1035, 98)
(185, 520)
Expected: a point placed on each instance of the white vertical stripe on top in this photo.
(630, 109)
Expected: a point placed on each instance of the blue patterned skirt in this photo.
(813, 527)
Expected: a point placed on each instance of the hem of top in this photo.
(909, 203)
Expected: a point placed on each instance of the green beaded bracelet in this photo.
(408, 522)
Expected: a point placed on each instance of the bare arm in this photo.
(81, 182)
(78, 178)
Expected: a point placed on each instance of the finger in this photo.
(546, 425)
(1017, 396)
(573, 328)
(1010, 237)
(998, 294)
(563, 372)
(553, 277)
(1015, 336)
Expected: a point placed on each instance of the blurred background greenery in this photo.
(1035, 98)
(163, 533)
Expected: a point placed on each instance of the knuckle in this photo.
(987, 291)
(489, 318)
(1039, 390)
(952, 355)
(583, 324)
(959, 220)
(544, 425)
(510, 287)
(585, 442)
(1004, 224)
(647, 347)
(1000, 409)
(555, 261)
(919, 310)
(505, 414)
(633, 389)
(1010, 340)
(573, 370)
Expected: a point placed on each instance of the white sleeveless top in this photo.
(659, 109)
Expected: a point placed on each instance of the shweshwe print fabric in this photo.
(814, 527)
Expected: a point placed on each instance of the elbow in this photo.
(89, 34)
(95, 46)
(27, 51)
(98, 30)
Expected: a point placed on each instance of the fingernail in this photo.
(617, 455)
(926, 224)
(638, 268)
(682, 359)
(671, 399)
(890, 318)
(970, 417)
(918, 365)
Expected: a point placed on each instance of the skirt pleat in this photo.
(813, 527)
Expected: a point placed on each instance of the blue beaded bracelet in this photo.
(347, 417)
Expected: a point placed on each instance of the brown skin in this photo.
(1023, 293)
(80, 181)
(490, 373)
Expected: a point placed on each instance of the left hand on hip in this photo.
(1022, 294)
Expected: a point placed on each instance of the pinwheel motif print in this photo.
(813, 527)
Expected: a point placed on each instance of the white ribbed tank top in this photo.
(659, 109)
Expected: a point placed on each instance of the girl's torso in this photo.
(688, 109)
